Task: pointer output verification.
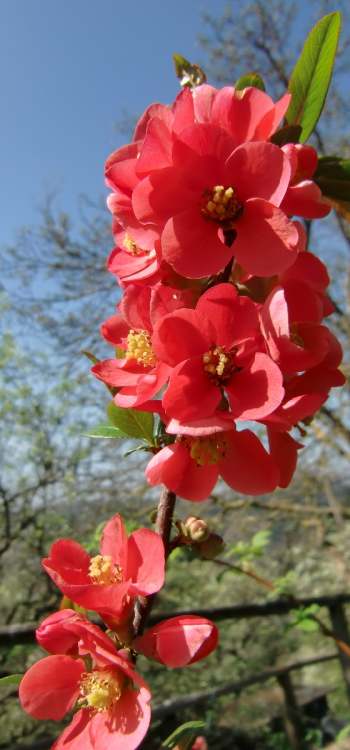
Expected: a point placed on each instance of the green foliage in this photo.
(184, 736)
(189, 74)
(105, 431)
(343, 734)
(247, 551)
(312, 74)
(333, 177)
(303, 618)
(10, 679)
(250, 79)
(287, 134)
(133, 423)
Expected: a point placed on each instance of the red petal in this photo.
(135, 307)
(284, 450)
(306, 200)
(156, 148)
(225, 318)
(77, 735)
(257, 390)
(258, 170)
(68, 557)
(267, 241)
(161, 195)
(178, 337)
(247, 467)
(51, 686)
(118, 372)
(179, 641)
(190, 394)
(174, 467)
(146, 562)
(192, 246)
(126, 725)
(115, 329)
(114, 541)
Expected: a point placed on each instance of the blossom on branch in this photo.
(109, 582)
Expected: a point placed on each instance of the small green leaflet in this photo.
(133, 423)
(189, 74)
(333, 177)
(250, 79)
(11, 679)
(184, 736)
(105, 431)
(312, 74)
(287, 134)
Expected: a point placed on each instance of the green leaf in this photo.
(312, 74)
(91, 357)
(105, 431)
(250, 79)
(189, 74)
(134, 423)
(287, 134)
(184, 736)
(333, 177)
(11, 679)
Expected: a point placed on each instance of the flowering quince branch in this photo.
(220, 322)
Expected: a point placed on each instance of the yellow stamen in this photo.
(207, 451)
(221, 204)
(102, 570)
(139, 347)
(100, 690)
(218, 364)
(130, 245)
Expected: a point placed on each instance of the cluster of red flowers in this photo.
(92, 671)
(220, 323)
(220, 320)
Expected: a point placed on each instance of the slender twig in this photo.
(246, 572)
(163, 527)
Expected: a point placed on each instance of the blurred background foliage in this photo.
(56, 482)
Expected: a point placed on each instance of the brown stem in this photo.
(163, 525)
(247, 572)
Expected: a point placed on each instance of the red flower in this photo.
(213, 349)
(214, 200)
(108, 582)
(303, 197)
(178, 641)
(112, 699)
(139, 375)
(294, 340)
(68, 632)
(205, 449)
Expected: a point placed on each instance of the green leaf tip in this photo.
(311, 77)
(189, 74)
(250, 79)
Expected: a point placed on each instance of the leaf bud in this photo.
(196, 529)
(211, 547)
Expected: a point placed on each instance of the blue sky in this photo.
(68, 70)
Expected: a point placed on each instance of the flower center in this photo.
(139, 347)
(130, 245)
(100, 690)
(207, 451)
(218, 364)
(221, 204)
(102, 570)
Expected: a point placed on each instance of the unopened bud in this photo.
(196, 529)
(211, 547)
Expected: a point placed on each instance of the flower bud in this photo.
(196, 529)
(211, 547)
